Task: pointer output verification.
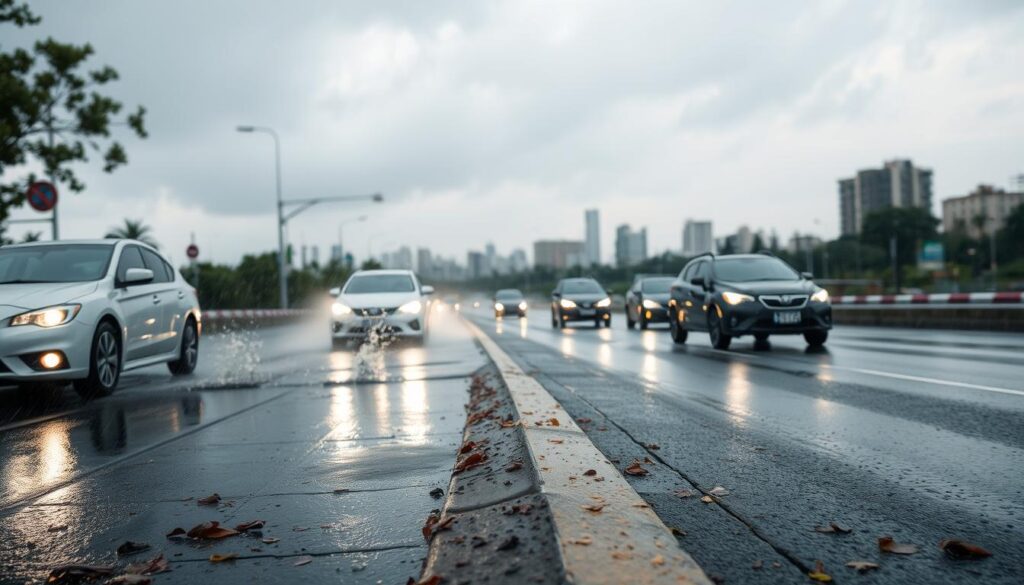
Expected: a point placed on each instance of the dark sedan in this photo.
(508, 302)
(747, 294)
(580, 299)
(647, 300)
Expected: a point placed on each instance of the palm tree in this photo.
(133, 230)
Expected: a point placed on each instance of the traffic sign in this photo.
(42, 196)
(192, 251)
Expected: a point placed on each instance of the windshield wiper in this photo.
(21, 281)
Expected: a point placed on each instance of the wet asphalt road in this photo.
(909, 433)
(336, 450)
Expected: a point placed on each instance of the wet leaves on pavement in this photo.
(960, 550)
(211, 530)
(819, 574)
(210, 500)
(590, 472)
(78, 573)
(270, 540)
(432, 580)
(251, 525)
(585, 540)
(707, 500)
(594, 508)
(303, 560)
(129, 579)
(862, 566)
(157, 564)
(130, 548)
(719, 491)
(684, 493)
(832, 528)
(514, 466)
(887, 545)
(223, 557)
(474, 459)
(177, 534)
(635, 468)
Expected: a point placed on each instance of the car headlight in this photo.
(735, 298)
(522, 305)
(567, 304)
(48, 317)
(411, 307)
(340, 309)
(605, 302)
(821, 296)
(499, 307)
(649, 304)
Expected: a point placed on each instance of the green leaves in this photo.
(53, 113)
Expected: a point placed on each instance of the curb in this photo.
(623, 541)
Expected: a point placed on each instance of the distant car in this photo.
(580, 299)
(747, 294)
(389, 303)
(85, 311)
(508, 302)
(647, 300)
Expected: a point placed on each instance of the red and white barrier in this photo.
(251, 314)
(989, 298)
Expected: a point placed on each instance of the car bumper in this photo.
(751, 318)
(411, 326)
(510, 312)
(659, 315)
(568, 315)
(18, 345)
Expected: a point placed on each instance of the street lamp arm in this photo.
(377, 197)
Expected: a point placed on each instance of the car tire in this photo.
(554, 320)
(189, 354)
(643, 322)
(815, 338)
(678, 332)
(719, 340)
(761, 337)
(104, 363)
(630, 323)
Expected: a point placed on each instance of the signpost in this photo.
(41, 196)
(192, 251)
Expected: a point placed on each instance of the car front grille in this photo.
(783, 301)
(375, 311)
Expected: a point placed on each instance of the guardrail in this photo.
(984, 298)
(993, 311)
(221, 319)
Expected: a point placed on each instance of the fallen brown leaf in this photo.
(223, 557)
(209, 500)
(251, 525)
(653, 446)
(514, 466)
(556, 441)
(521, 509)
(78, 573)
(590, 472)
(303, 560)
(960, 550)
(554, 422)
(507, 424)
(584, 540)
(583, 420)
(683, 493)
(211, 530)
(719, 491)
(819, 574)
(621, 555)
(270, 540)
(177, 534)
(887, 545)
(635, 469)
(157, 564)
(470, 461)
(595, 508)
(658, 560)
(467, 447)
(707, 500)
(862, 566)
(130, 548)
(432, 580)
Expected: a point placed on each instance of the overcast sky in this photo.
(503, 121)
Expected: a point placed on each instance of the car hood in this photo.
(378, 300)
(772, 287)
(585, 298)
(17, 298)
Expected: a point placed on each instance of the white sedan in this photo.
(387, 303)
(85, 311)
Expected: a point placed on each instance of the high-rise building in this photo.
(592, 240)
(897, 184)
(981, 213)
(558, 254)
(424, 263)
(517, 260)
(336, 253)
(630, 246)
(697, 237)
(476, 264)
(491, 256)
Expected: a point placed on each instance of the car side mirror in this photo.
(556, 294)
(807, 275)
(334, 291)
(137, 276)
(427, 289)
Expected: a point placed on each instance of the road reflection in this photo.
(737, 391)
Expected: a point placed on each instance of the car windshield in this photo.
(656, 285)
(54, 263)
(380, 283)
(752, 269)
(581, 287)
(508, 295)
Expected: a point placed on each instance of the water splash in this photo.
(239, 358)
(369, 363)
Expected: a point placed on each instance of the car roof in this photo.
(579, 279)
(742, 256)
(383, 271)
(104, 241)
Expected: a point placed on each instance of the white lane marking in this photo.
(928, 380)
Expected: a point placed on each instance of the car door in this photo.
(556, 297)
(695, 304)
(139, 305)
(165, 297)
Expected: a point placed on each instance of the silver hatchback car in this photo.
(85, 311)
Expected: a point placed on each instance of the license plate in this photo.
(371, 323)
(587, 312)
(786, 317)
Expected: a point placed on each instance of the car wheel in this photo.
(630, 323)
(816, 338)
(679, 333)
(104, 364)
(719, 340)
(643, 321)
(761, 337)
(554, 320)
(189, 356)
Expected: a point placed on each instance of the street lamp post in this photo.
(341, 241)
(282, 274)
(300, 206)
